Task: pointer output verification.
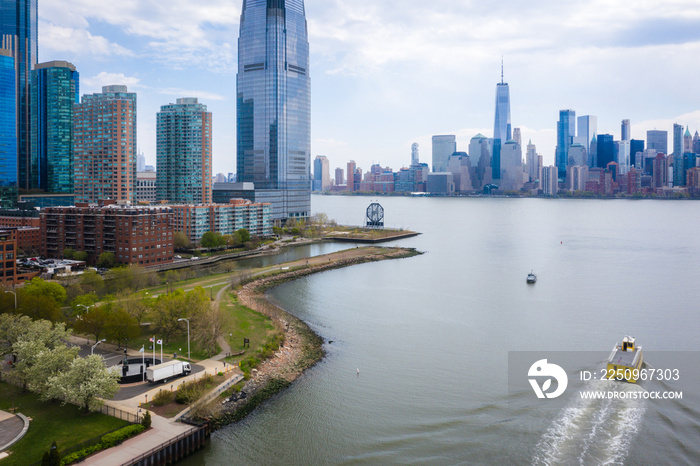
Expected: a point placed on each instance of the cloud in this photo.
(60, 40)
(202, 95)
(108, 79)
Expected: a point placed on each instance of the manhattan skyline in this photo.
(385, 77)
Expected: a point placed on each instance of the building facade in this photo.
(54, 90)
(8, 130)
(443, 147)
(19, 20)
(274, 103)
(195, 220)
(146, 187)
(184, 152)
(322, 173)
(549, 180)
(658, 140)
(134, 234)
(105, 146)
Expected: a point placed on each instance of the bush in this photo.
(81, 454)
(146, 421)
(163, 397)
(115, 438)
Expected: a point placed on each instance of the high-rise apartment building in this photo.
(8, 130)
(19, 29)
(104, 142)
(549, 180)
(657, 140)
(322, 173)
(531, 161)
(184, 152)
(274, 104)
(339, 176)
(443, 147)
(54, 94)
(351, 184)
(566, 131)
(626, 130)
(502, 131)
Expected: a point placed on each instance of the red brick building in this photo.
(9, 274)
(134, 234)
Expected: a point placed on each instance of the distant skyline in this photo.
(384, 77)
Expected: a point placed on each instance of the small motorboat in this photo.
(531, 278)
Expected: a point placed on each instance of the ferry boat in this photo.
(625, 361)
(531, 278)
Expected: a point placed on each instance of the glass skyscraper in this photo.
(18, 27)
(502, 132)
(55, 91)
(566, 131)
(274, 104)
(8, 130)
(184, 153)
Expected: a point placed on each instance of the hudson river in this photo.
(435, 338)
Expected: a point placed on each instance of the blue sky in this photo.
(387, 73)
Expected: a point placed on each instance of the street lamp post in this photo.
(6, 291)
(92, 350)
(189, 358)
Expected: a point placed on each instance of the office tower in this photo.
(8, 132)
(339, 177)
(531, 161)
(54, 93)
(146, 190)
(460, 166)
(624, 158)
(657, 140)
(517, 137)
(322, 173)
(626, 130)
(605, 151)
(140, 162)
(480, 159)
(587, 130)
(687, 141)
(511, 178)
(677, 157)
(443, 147)
(636, 147)
(351, 176)
(104, 145)
(566, 131)
(501, 125)
(18, 27)
(415, 158)
(677, 139)
(184, 153)
(549, 180)
(274, 104)
(696, 143)
(577, 155)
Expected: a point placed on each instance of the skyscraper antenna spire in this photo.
(501, 69)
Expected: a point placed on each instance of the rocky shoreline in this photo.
(302, 348)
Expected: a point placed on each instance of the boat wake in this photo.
(593, 431)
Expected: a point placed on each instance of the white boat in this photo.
(531, 278)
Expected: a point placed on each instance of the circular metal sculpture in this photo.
(375, 215)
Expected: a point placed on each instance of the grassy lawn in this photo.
(67, 425)
(175, 345)
(246, 323)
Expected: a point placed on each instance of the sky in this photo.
(387, 73)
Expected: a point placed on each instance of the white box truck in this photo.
(167, 370)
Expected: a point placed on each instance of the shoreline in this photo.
(302, 347)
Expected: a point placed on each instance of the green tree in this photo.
(181, 240)
(91, 281)
(68, 253)
(244, 235)
(106, 260)
(94, 321)
(84, 383)
(45, 363)
(207, 327)
(80, 256)
(38, 286)
(121, 327)
(209, 240)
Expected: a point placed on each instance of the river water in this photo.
(434, 338)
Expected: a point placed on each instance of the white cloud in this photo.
(203, 96)
(60, 40)
(108, 79)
